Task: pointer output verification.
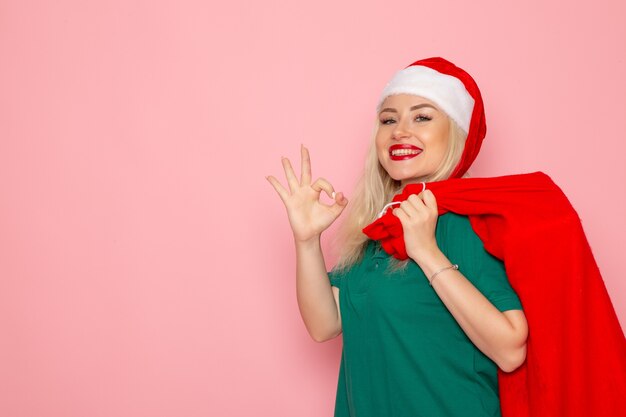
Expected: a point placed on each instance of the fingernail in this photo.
(333, 194)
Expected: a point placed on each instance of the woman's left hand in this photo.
(418, 215)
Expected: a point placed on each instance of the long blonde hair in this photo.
(374, 189)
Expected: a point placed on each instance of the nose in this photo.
(400, 131)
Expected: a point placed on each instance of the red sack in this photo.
(576, 352)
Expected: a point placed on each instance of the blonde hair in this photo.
(374, 189)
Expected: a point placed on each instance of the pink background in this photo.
(146, 265)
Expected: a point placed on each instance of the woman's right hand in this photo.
(307, 215)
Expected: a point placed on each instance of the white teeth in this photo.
(399, 152)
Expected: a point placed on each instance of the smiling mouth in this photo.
(403, 152)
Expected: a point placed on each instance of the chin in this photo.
(414, 175)
(413, 179)
(406, 177)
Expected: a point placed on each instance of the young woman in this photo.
(422, 337)
(428, 315)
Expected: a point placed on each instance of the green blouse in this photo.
(404, 354)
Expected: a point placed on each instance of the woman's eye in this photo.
(419, 118)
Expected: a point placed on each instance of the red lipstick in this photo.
(408, 152)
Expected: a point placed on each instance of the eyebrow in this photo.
(419, 106)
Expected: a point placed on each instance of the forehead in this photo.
(405, 100)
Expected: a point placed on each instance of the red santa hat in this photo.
(454, 91)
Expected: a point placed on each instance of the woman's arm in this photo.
(308, 218)
(316, 299)
(499, 335)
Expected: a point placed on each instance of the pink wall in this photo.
(147, 267)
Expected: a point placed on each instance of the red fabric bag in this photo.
(576, 352)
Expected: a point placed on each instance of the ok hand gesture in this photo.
(308, 216)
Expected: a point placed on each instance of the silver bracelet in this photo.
(430, 281)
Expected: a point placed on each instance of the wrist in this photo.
(431, 261)
(445, 268)
(312, 242)
(426, 255)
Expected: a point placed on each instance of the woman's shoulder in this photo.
(370, 247)
(455, 233)
(456, 222)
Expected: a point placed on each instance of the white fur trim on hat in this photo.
(444, 90)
